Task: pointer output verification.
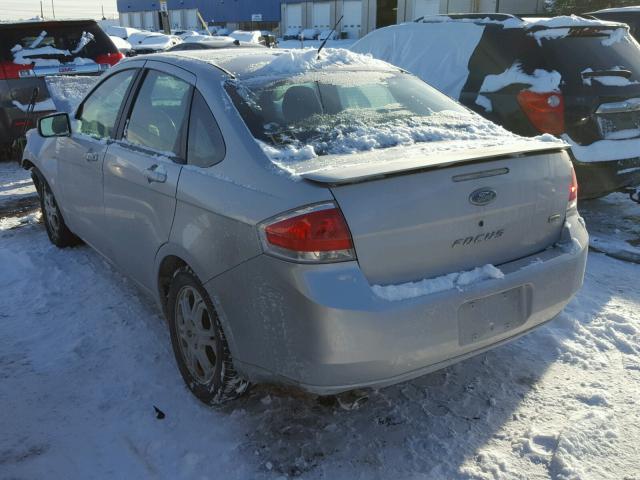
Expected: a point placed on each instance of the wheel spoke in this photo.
(205, 363)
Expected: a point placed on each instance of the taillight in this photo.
(573, 191)
(315, 234)
(544, 110)
(109, 58)
(12, 71)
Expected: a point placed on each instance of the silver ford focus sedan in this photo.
(321, 220)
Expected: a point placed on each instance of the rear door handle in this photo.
(156, 174)
(92, 156)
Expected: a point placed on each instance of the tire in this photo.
(57, 229)
(199, 343)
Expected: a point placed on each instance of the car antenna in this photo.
(324, 42)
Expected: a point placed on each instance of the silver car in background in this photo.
(283, 243)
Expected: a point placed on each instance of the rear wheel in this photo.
(199, 344)
(57, 229)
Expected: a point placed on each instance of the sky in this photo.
(25, 9)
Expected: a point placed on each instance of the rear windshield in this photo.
(343, 112)
(571, 52)
(592, 51)
(54, 43)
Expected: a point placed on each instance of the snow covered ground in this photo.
(85, 357)
(614, 226)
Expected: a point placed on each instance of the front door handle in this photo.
(156, 174)
(92, 156)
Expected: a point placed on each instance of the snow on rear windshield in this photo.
(299, 119)
(55, 46)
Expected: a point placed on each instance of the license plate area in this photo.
(487, 317)
(619, 126)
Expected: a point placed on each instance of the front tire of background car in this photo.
(199, 343)
(57, 229)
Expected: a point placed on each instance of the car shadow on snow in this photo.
(430, 426)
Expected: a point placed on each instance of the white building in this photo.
(363, 16)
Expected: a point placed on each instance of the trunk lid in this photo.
(421, 222)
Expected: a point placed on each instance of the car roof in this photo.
(239, 62)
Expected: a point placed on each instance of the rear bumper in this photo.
(322, 328)
(598, 179)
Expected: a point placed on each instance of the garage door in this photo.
(322, 15)
(175, 19)
(352, 21)
(425, 8)
(191, 19)
(149, 24)
(136, 20)
(487, 6)
(294, 15)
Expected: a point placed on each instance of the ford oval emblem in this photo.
(483, 196)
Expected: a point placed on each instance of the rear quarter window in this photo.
(498, 50)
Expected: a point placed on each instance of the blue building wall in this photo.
(217, 10)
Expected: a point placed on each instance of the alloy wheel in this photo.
(51, 211)
(196, 335)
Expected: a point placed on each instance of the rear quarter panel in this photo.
(218, 209)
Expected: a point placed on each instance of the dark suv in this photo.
(574, 78)
(30, 52)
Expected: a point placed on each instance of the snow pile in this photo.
(540, 81)
(296, 62)
(242, 36)
(439, 284)
(68, 91)
(438, 53)
(29, 56)
(567, 21)
(209, 39)
(445, 131)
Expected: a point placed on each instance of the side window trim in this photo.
(127, 105)
(127, 110)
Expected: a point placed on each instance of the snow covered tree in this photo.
(567, 7)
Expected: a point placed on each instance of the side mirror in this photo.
(56, 125)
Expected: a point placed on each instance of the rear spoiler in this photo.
(382, 163)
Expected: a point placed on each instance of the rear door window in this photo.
(205, 146)
(159, 113)
(99, 112)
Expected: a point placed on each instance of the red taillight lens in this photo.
(109, 58)
(544, 110)
(12, 71)
(314, 234)
(573, 190)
